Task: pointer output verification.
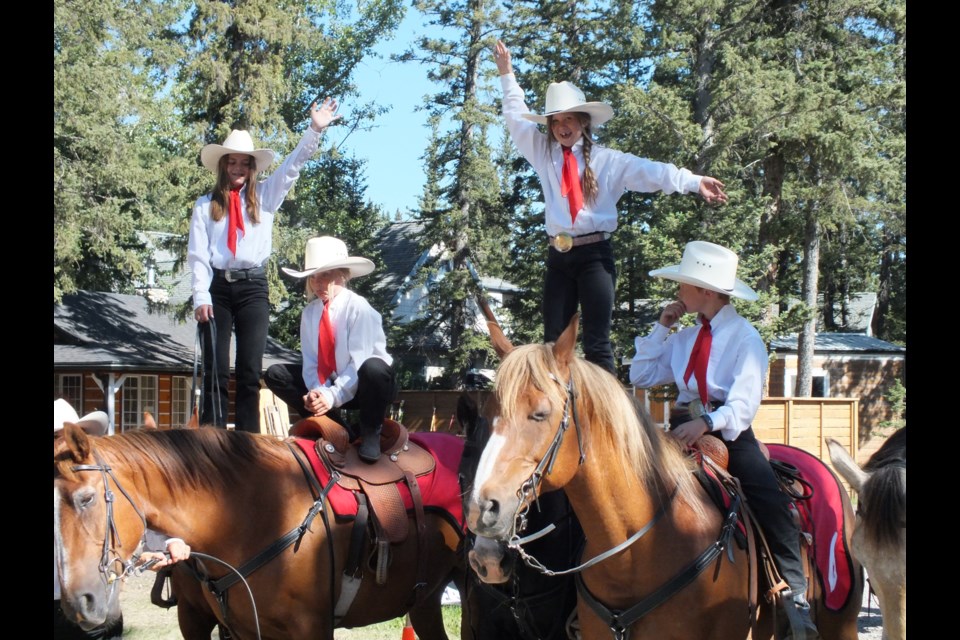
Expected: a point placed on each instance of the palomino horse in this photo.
(662, 561)
(233, 496)
(880, 535)
(509, 600)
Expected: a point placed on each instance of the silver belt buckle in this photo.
(563, 242)
(697, 408)
(228, 275)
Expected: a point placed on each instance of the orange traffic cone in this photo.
(408, 633)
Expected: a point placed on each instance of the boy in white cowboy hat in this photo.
(231, 234)
(345, 360)
(582, 182)
(719, 366)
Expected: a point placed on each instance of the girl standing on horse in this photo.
(231, 239)
(345, 360)
(719, 366)
(582, 182)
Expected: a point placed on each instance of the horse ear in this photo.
(501, 344)
(77, 441)
(564, 346)
(194, 421)
(846, 466)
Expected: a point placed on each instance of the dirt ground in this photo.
(144, 621)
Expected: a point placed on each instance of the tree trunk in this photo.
(808, 332)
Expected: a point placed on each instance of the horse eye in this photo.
(538, 416)
(84, 498)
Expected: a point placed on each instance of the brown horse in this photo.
(657, 564)
(232, 496)
(880, 535)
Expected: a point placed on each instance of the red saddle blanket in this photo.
(822, 516)
(439, 489)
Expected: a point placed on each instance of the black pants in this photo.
(64, 629)
(376, 389)
(586, 277)
(770, 506)
(244, 307)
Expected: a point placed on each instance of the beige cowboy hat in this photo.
(710, 266)
(239, 141)
(325, 253)
(95, 423)
(564, 97)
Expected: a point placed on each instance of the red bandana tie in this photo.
(326, 349)
(570, 184)
(235, 221)
(699, 358)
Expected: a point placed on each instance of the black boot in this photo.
(797, 623)
(369, 450)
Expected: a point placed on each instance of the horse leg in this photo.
(893, 607)
(197, 621)
(427, 616)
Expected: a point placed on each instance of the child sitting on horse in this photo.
(719, 366)
(345, 364)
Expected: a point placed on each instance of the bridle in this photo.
(530, 488)
(109, 555)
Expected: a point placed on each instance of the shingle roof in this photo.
(838, 343)
(121, 332)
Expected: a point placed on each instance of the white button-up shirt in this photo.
(616, 172)
(735, 374)
(207, 247)
(358, 335)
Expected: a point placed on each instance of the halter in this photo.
(109, 554)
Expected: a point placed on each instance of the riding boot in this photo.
(796, 622)
(370, 446)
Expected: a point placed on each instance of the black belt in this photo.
(234, 275)
(563, 242)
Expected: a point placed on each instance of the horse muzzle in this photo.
(491, 560)
(92, 608)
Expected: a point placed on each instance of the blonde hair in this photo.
(588, 182)
(220, 197)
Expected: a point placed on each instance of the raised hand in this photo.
(501, 56)
(322, 116)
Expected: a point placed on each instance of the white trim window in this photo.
(819, 387)
(69, 386)
(179, 401)
(139, 395)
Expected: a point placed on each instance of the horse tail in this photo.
(883, 505)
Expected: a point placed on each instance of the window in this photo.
(139, 395)
(179, 401)
(69, 386)
(819, 386)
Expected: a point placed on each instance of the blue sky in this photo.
(392, 150)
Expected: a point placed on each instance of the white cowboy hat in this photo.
(710, 266)
(563, 97)
(93, 423)
(239, 141)
(325, 253)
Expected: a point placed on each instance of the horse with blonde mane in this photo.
(663, 560)
(244, 501)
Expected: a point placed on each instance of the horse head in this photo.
(96, 530)
(534, 408)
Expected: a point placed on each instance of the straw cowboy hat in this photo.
(563, 97)
(710, 266)
(325, 253)
(239, 141)
(93, 423)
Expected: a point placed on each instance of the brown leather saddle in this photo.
(402, 460)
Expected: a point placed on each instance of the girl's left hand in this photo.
(321, 117)
(712, 190)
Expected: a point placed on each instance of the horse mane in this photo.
(639, 445)
(883, 497)
(190, 459)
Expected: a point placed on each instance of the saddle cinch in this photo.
(375, 486)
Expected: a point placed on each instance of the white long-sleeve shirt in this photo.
(616, 172)
(207, 247)
(358, 335)
(735, 374)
